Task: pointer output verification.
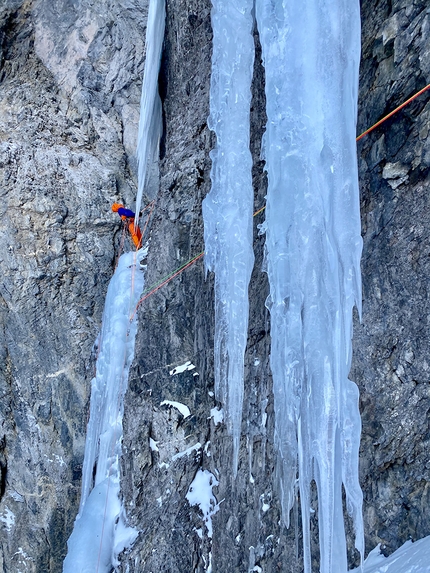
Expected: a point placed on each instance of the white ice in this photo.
(409, 558)
(100, 532)
(200, 493)
(311, 53)
(150, 122)
(227, 209)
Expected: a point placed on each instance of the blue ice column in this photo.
(150, 122)
(311, 53)
(227, 209)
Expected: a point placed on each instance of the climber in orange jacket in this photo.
(127, 215)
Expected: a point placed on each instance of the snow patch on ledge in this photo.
(184, 410)
(153, 445)
(182, 368)
(8, 518)
(409, 558)
(188, 451)
(200, 493)
(217, 415)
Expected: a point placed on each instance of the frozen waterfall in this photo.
(227, 210)
(150, 123)
(311, 53)
(100, 533)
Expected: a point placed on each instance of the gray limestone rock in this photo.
(70, 79)
(63, 161)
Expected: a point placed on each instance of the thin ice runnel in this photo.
(311, 55)
(227, 210)
(150, 123)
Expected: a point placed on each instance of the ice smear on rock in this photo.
(227, 210)
(150, 122)
(100, 532)
(311, 55)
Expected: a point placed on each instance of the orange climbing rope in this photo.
(152, 289)
(182, 268)
(164, 281)
(378, 123)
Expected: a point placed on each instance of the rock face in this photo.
(70, 80)
(391, 363)
(69, 104)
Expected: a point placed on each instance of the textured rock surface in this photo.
(70, 80)
(69, 84)
(391, 363)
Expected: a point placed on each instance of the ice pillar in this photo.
(99, 532)
(227, 210)
(311, 53)
(150, 122)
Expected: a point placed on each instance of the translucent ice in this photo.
(150, 124)
(311, 54)
(99, 531)
(227, 210)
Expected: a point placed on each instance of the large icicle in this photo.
(227, 210)
(99, 532)
(150, 123)
(311, 54)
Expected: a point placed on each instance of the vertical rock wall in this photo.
(70, 77)
(391, 363)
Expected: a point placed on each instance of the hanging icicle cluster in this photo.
(311, 55)
(227, 210)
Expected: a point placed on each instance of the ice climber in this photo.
(128, 216)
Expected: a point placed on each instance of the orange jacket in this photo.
(125, 214)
